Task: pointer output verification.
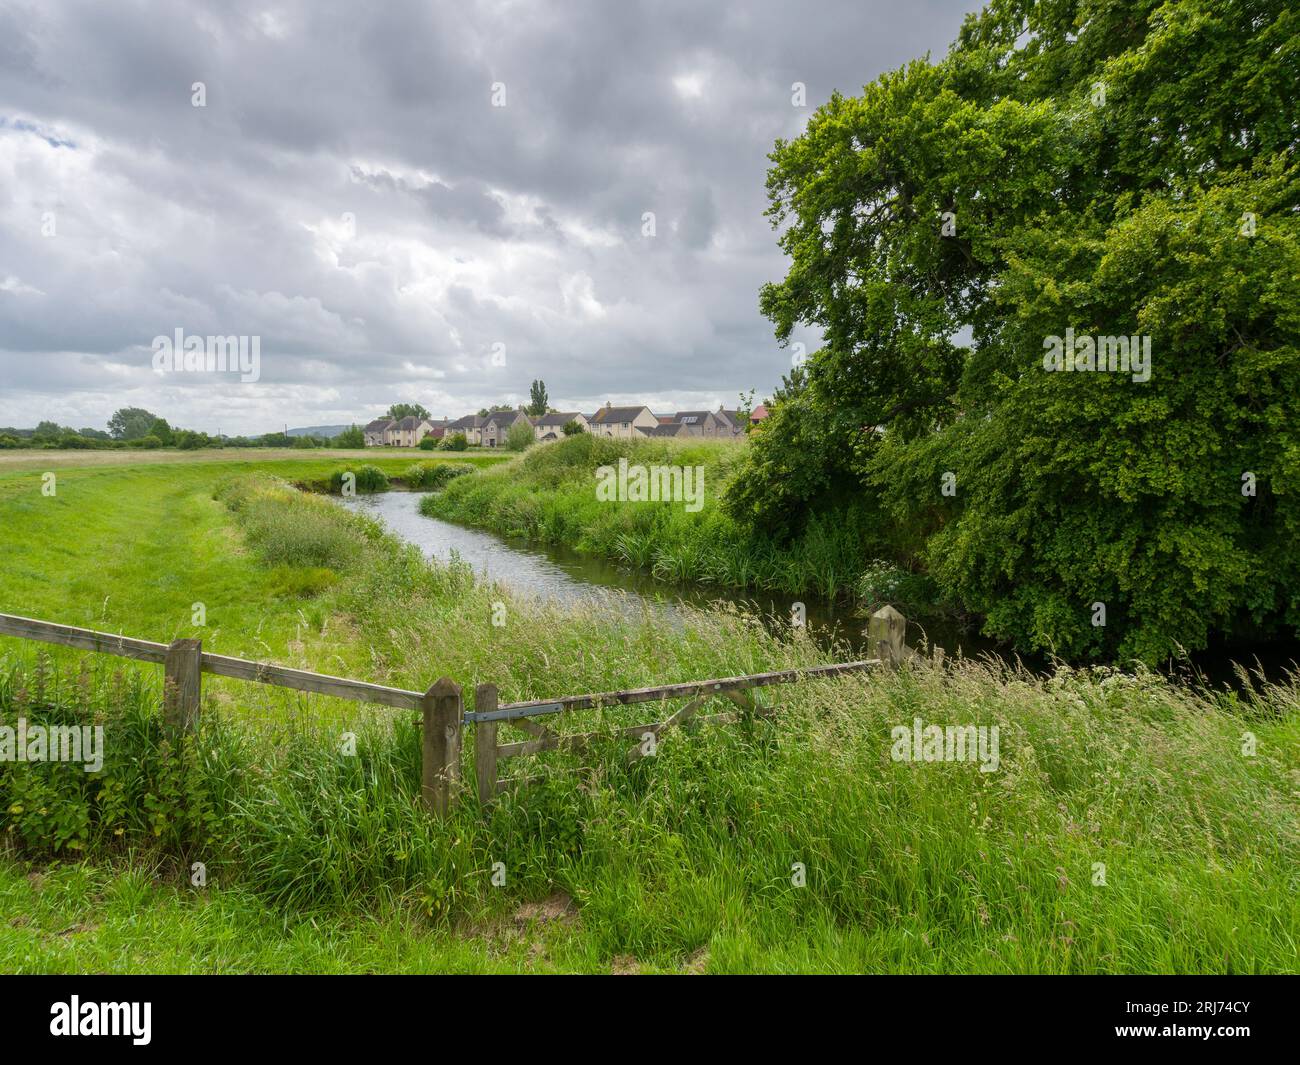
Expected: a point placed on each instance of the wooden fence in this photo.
(441, 707)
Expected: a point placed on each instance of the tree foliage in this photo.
(537, 399)
(1114, 169)
(351, 437)
(130, 423)
(520, 436)
(399, 411)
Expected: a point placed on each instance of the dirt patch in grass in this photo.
(559, 907)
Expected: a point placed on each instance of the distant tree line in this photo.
(135, 427)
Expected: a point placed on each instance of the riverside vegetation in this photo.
(1089, 168)
(681, 862)
(549, 495)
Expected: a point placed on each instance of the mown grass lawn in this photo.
(88, 919)
(133, 541)
(393, 458)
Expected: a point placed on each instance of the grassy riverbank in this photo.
(687, 861)
(549, 495)
(131, 547)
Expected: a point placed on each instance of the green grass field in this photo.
(1124, 830)
(130, 542)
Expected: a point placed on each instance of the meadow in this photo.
(1126, 829)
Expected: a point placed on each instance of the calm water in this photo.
(555, 573)
(561, 575)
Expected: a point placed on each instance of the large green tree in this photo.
(130, 423)
(1111, 169)
(399, 411)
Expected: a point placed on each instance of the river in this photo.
(562, 575)
(559, 574)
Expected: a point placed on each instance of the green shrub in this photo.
(351, 437)
(520, 437)
(430, 476)
(368, 479)
(189, 440)
(152, 790)
(286, 527)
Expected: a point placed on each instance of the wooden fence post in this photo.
(442, 726)
(182, 684)
(485, 743)
(886, 630)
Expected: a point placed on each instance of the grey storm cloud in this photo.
(350, 194)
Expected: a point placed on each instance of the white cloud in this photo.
(472, 225)
(15, 285)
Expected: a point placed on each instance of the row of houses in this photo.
(624, 422)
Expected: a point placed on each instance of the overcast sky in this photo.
(351, 194)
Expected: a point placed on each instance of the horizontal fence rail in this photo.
(83, 639)
(305, 681)
(659, 692)
(442, 713)
(218, 665)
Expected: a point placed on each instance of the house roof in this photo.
(691, 417)
(560, 418)
(379, 424)
(470, 421)
(504, 418)
(758, 413)
(618, 414)
(671, 429)
(410, 422)
(737, 419)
